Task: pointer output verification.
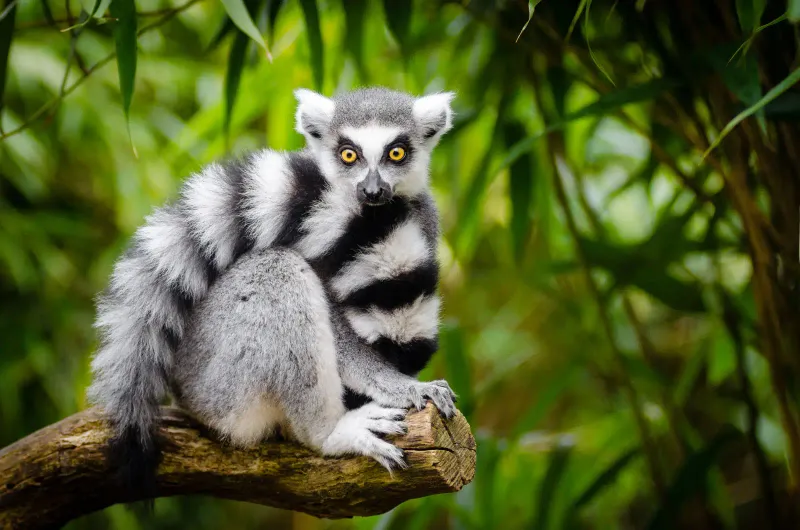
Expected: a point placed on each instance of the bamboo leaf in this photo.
(458, 366)
(233, 75)
(253, 7)
(6, 31)
(238, 13)
(575, 19)
(776, 91)
(605, 479)
(125, 40)
(354, 13)
(749, 13)
(520, 187)
(311, 14)
(691, 479)
(95, 8)
(531, 8)
(398, 19)
(559, 458)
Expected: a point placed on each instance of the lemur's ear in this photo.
(314, 113)
(433, 114)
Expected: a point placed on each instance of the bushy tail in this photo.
(172, 260)
(130, 371)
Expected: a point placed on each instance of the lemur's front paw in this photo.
(419, 392)
(357, 433)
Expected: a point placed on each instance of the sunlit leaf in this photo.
(398, 19)
(559, 458)
(776, 91)
(531, 8)
(690, 479)
(721, 359)
(125, 40)
(233, 75)
(227, 24)
(95, 8)
(237, 11)
(6, 31)
(311, 14)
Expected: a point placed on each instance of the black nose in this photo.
(373, 195)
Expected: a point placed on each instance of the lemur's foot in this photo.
(357, 433)
(417, 393)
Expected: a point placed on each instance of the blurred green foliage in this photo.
(620, 282)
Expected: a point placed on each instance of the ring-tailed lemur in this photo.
(277, 282)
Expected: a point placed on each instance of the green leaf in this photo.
(238, 13)
(95, 8)
(233, 75)
(575, 19)
(605, 479)
(741, 77)
(793, 11)
(749, 13)
(520, 188)
(531, 8)
(688, 377)
(458, 366)
(125, 40)
(722, 359)
(253, 7)
(354, 15)
(690, 479)
(398, 19)
(559, 458)
(6, 30)
(311, 14)
(776, 91)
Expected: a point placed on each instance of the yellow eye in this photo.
(397, 154)
(348, 156)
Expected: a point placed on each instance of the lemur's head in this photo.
(375, 140)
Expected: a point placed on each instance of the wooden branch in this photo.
(59, 473)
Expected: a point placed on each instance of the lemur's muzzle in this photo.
(373, 190)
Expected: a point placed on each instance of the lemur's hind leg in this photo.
(260, 352)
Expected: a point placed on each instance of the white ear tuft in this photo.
(433, 114)
(314, 113)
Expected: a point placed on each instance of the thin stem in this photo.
(68, 20)
(41, 111)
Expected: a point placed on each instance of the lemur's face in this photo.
(374, 142)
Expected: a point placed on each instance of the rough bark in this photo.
(59, 473)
